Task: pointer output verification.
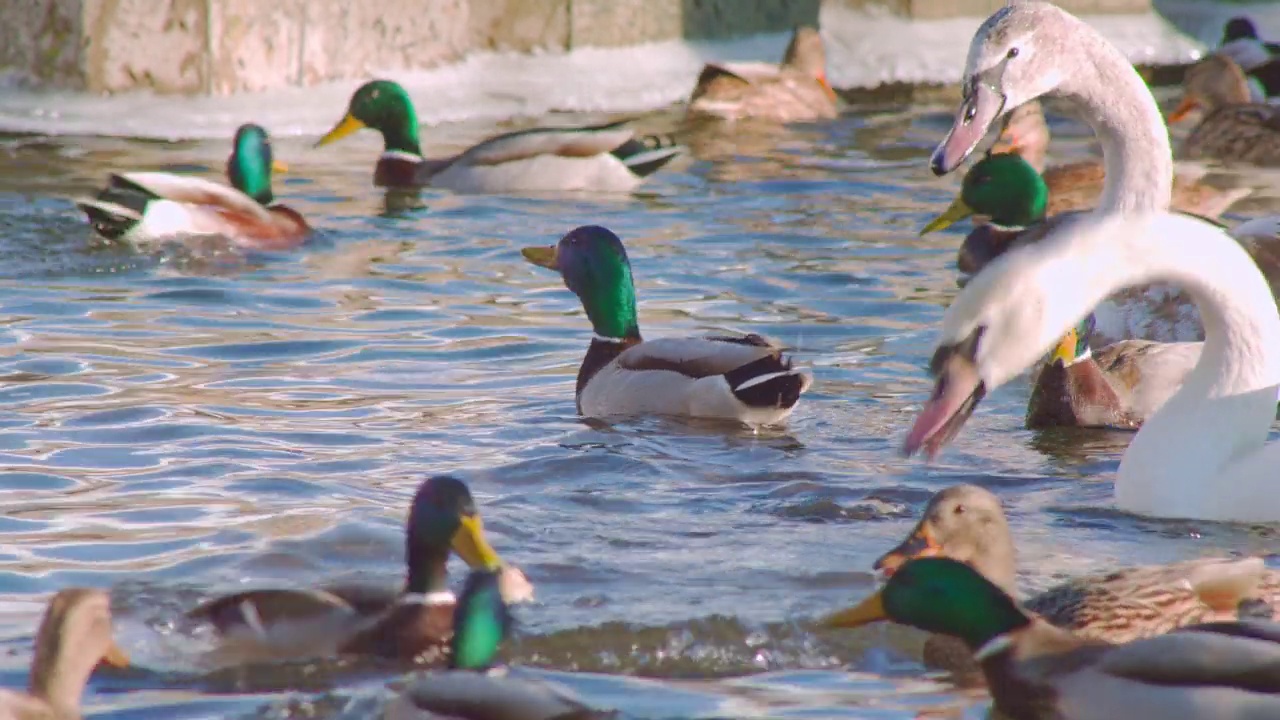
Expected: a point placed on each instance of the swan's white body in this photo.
(1203, 454)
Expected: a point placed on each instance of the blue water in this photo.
(180, 422)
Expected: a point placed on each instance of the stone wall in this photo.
(225, 46)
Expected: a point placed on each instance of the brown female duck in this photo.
(74, 638)
(794, 91)
(967, 523)
(1036, 671)
(1078, 185)
(1234, 128)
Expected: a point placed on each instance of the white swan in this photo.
(1071, 60)
(1204, 454)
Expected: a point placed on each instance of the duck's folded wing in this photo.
(466, 694)
(1242, 655)
(193, 191)
(565, 142)
(260, 608)
(698, 357)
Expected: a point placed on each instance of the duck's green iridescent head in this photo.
(384, 106)
(1002, 186)
(594, 266)
(251, 163)
(481, 622)
(939, 595)
(443, 519)
(1074, 345)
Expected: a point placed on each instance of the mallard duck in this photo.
(1225, 670)
(1257, 58)
(794, 91)
(74, 637)
(150, 206)
(1234, 128)
(469, 690)
(414, 624)
(745, 378)
(1118, 386)
(1204, 453)
(1077, 185)
(967, 523)
(600, 158)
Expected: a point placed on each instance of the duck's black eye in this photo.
(970, 114)
(1013, 53)
(959, 510)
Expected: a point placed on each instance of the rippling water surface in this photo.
(179, 423)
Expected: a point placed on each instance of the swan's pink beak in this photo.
(955, 396)
(980, 110)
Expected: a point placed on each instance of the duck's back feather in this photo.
(579, 142)
(194, 191)
(745, 378)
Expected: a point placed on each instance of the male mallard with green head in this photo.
(744, 378)
(967, 523)
(413, 624)
(150, 206)
(1008, 190)
(74, 639)
(1118, 386)
(600, 158)
(470, 689)
(1036, 671)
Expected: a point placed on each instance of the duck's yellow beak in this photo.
(470, 545)
(864, 613)
(1065, 352)
(345, 127)
(1184, 108)
(279, 167)
(115, 657)
(547, 257)
(958, 211)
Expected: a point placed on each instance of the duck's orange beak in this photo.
(826, 86)
(1184, 108)
(921, 543)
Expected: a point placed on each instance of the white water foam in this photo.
(865, 49)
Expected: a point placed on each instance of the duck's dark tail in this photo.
(116, 209)
(770, 382)
(644, 155)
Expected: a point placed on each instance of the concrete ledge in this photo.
(218, 47)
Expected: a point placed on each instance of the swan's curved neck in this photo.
(1182, 461)
(1116, 102)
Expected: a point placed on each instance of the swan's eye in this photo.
(1013, 53)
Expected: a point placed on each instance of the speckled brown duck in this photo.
(797, 90)
(1234, 129)
(967, 523)
(1078, 185)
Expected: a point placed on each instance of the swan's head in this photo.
(1017, 55)
(1006, 318)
